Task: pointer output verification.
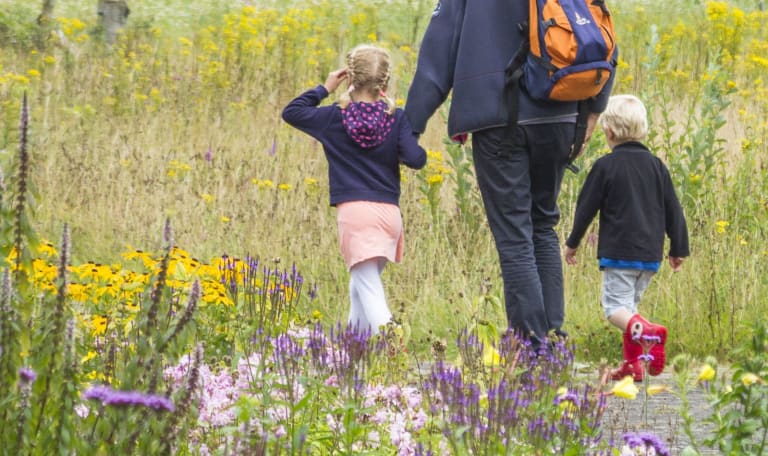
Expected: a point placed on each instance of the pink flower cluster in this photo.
(396, 410)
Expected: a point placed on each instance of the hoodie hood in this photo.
(368, 124)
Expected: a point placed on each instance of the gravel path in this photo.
(664, 416)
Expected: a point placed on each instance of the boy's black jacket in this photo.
(634, 193)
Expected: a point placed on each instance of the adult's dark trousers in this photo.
(519, 171)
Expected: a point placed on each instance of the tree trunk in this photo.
(46, 12)
(113, 15)
(44, 22)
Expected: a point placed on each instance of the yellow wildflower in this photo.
(108, 289)
(749, 379)
(435, 179)
(625, 388)
(742, 241)
(47, 249)
(20, 79)
(653, 390)
(93, 375)
(77, 291)
(90, 355)
(99, 325)
(491, 356)
(216, 297)
(706, 374)
(135, 254)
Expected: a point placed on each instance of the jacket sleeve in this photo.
(587, 205)
(675, 224)
(433, 79)
(598, 103)
(302, 111)
(410, 153)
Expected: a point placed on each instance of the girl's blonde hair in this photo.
(368, 68)
(626, 117)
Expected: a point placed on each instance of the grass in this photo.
(120, 138)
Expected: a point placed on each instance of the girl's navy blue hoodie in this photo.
(356, 172)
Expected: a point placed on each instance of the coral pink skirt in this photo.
(368, 230)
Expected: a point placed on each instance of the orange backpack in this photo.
(570, 49)
(567, 54)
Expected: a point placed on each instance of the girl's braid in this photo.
(368, 69)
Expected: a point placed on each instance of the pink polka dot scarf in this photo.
(368, 124)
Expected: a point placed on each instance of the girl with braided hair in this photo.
(365, 139)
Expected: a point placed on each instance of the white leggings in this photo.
(369, 305)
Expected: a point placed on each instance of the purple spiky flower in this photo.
(111, 397)
(27, 375)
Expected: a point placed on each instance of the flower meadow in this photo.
(171, 282)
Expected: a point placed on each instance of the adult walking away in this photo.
(519, 165)
(365, 139)
(632, 190)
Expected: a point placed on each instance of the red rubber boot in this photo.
(631, 365)
(648, 332)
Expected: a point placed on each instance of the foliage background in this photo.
(120, 140)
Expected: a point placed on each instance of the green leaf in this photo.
(689, 451)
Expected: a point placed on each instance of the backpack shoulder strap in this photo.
(581, 134)
(513, 73)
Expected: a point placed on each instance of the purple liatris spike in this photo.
(168, 233)
(111, 397)
(24, 122)
(273, 149)
(209, 155)
(27, 375)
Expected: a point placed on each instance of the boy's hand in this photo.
(676, 263)
(334, 79)
(570, 255)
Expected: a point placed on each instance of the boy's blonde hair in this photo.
(368, 68)
(626, 117)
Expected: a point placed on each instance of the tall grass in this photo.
(180, 120)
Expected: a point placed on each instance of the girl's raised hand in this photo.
(334, 79)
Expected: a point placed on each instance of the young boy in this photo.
(632, 190)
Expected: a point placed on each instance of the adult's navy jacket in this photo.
(632, 190)
(356, 173)
(466, 48)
